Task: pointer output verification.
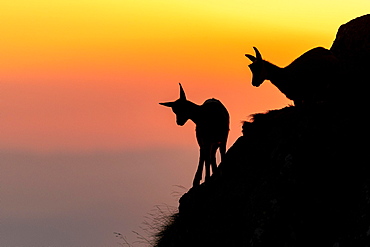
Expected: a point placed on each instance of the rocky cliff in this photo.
(298, 176)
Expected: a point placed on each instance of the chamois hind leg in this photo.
(198, 174)
(207, 161)
(213, 158)
(223, 150)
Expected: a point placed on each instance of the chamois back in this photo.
(214, 123)
(311, 75)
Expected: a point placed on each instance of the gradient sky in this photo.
(85, 149)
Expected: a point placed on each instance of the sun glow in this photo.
(123, 49)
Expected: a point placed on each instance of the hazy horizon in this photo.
(81, 199)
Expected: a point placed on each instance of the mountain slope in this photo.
(298, 176)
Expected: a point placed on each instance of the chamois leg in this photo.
(208, 159)
(223, 150)
(198, 174)
(213, 158)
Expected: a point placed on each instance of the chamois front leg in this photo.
(199, 172)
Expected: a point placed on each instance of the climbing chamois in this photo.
(306, 80)
(212, 128)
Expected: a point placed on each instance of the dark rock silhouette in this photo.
(212, 129)
(297, 177)
(352, 47)
(305, 80)
(352, 42)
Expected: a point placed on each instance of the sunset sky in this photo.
(85, 148)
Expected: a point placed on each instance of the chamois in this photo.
(306, 80)
(212, 128)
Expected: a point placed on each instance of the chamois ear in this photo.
(182, 93)
(252, 58)
(258, 54)
(168, 104)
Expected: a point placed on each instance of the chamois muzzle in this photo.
(257, 75)
(181, 121)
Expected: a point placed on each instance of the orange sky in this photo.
(80, 83)
(87, 75)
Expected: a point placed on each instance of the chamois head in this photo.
(257, 67)
(180, 108)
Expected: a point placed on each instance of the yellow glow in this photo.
(44, 31)
(125, 47)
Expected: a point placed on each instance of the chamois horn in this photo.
(182, 93)
(258, 54)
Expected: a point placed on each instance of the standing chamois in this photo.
(212, 129)
(306, 80)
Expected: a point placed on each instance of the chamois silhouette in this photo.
(212, 129)
(306, 80)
